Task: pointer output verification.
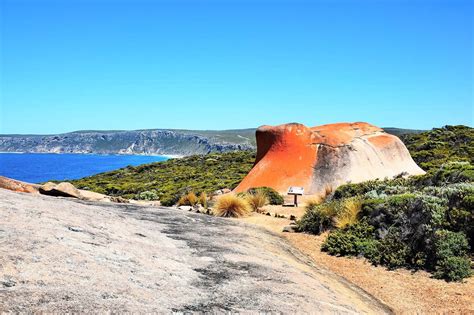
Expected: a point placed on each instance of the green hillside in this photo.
(432, 148)
(170, 179)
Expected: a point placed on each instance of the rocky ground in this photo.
(63, 255)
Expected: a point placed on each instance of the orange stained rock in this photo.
(342, 133)
(285, 157)
(18, 186)
(326, 155)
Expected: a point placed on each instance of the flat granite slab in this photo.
(65, 255)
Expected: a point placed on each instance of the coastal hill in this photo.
(149, 141)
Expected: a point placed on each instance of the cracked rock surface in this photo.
(63, 255)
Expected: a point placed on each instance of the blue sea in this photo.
(41, 167)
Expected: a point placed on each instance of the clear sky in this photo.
(82, 64)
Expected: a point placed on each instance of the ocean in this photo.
(41, 167)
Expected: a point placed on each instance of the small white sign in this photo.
(293, 190)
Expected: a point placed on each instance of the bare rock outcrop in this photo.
(63, 189)
(325, 156)
(60, 190)
(18, 186)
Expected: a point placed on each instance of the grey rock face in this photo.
(66, 255)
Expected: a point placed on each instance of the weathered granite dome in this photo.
(325, 156)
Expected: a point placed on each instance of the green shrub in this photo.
(449, 244)
(354, 240)
(318, 218)
(391, 251)
(447, 173)
(148, 195)
(451, 260)
(415, 215)
(399, 231)
(274, 198)
(169, 200)
(468, 202)
(374, 189)
(321, 217)
(359, 189)
(453, 268)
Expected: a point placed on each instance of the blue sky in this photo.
(83, 64)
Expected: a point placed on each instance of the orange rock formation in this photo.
(18, 186)
(325, 156)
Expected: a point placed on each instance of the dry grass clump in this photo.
(328, 190)
(232, 206)
(348, 213)
(202, 199)
(313, 202)
(257, 200)
(190, 199)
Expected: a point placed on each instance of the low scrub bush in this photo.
(433, 148)
(231, 206)
(373, 188)
(313, 202)
(453, 268)
(318, 218)
(450, 252)
(321, 217)
(447, 173)
(391, 251)
(148, 195)
(353, 240)
(169, 200)
(405, 230)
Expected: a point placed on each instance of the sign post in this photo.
(296, 191)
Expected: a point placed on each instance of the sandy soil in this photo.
(402, 290)
(60, 255)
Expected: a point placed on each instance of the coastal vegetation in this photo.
(422, 222)
(433, 148)
(168, 181)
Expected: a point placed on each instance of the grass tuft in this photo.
(257, 200)
(349, 212)
(190, 199)
(231, 206)
(203, 199)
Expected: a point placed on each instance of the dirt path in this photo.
(404, 291)
(65, 255)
